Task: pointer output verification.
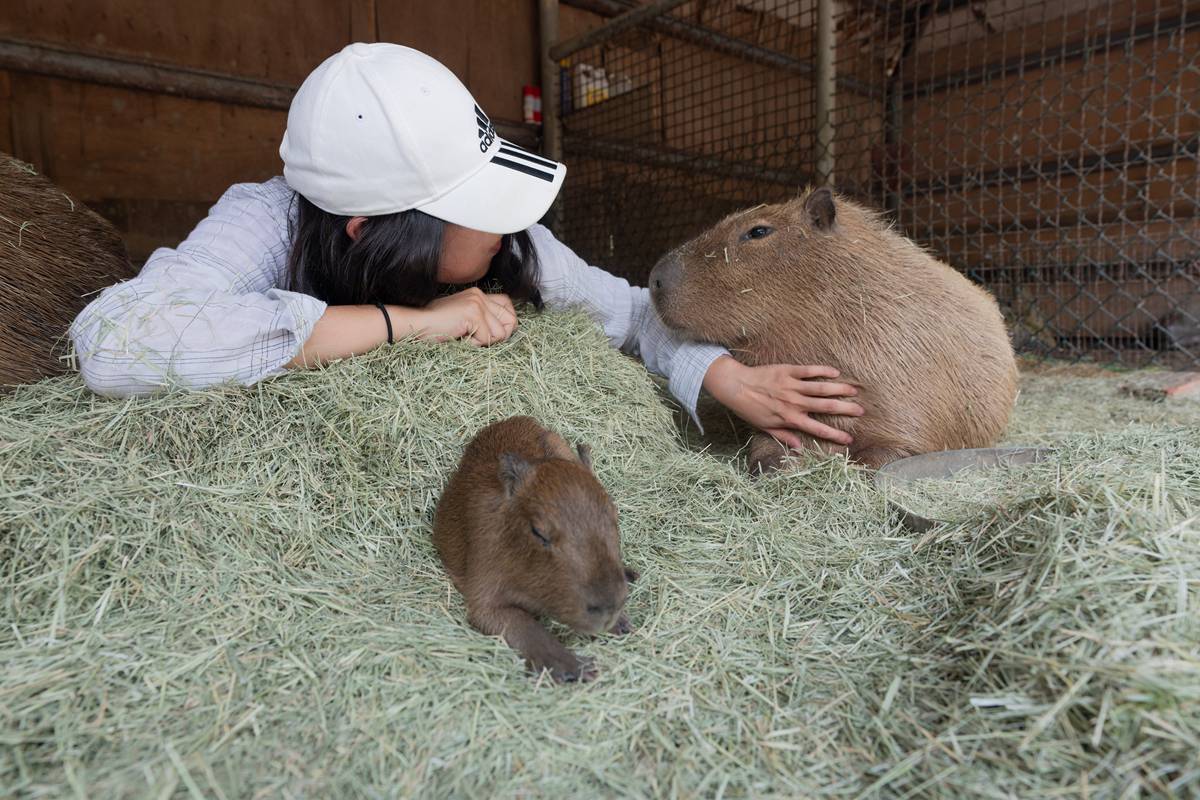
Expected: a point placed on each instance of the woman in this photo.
(395, 186)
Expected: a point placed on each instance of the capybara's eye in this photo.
(538, 535)
(757, 232)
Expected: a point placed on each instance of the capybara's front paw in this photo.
(765, 455)
(563, 665)
(621, 627)
(571, 670)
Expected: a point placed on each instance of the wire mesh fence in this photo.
(1046, 149)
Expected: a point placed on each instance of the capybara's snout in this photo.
(664, 278)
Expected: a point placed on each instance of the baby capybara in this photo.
(54, 253)
(526, 530)
(822, 280)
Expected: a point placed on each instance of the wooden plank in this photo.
(859, 141)
(952, 46)
(1053, 250)
(28, 112)
(778, 29)
(1112, 281)
(629, 118)
(111, 143)
(152, 164)
(256, 39)
(633, 20)
(1081, 107)
(128, 73)
(1138, 194)
(147, 224)
(574, 22)
(494, 56)
(6, 113)
(504, 54)
(364, 21)
(721, 105)
(1104, 309)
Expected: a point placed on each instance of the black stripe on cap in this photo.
(510, 149)
(519, 167)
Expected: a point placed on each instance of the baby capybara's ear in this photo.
(821, 209)
(513, 472)
(585, 454)
(631, 574)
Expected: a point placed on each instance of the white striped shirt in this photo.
(212, 310)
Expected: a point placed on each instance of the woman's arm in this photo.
(345, 331)
(205, 312)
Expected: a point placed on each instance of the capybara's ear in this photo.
(631, 574)
(821, 209)
(585, 454)
(513, 472)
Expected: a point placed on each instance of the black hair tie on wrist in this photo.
(388, 319)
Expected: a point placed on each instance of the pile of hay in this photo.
(233, 592)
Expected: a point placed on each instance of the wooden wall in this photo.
(154, 163)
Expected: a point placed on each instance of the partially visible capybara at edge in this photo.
(54, 253)
(822, 280)
(525, 529)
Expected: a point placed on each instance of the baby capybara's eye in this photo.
(757, 232)
(538, 534)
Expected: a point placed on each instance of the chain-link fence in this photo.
(1047, 149)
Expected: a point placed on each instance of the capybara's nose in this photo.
(664, 274)
(656, 276)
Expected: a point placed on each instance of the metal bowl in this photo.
(947, 464)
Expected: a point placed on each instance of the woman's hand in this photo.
(779, 398)
(471, 314)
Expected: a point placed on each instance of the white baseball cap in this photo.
(381, 128)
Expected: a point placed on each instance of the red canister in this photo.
(532, 97)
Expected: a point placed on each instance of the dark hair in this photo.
(394, 259)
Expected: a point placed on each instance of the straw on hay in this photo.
(233, 593)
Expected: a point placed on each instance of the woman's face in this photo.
(466, 254)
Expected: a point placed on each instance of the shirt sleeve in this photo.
(626, 315)
(209, 311)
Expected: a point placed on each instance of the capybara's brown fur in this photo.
(54, 254)
(525, 529)
(822, 280)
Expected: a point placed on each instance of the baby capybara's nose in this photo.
(606, 596)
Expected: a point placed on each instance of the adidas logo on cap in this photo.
(487, 132)
(526, 162)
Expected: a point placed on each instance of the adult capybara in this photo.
(526, 530)
(822, 280)
(54, 253)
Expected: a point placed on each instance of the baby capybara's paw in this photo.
(571, 669)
